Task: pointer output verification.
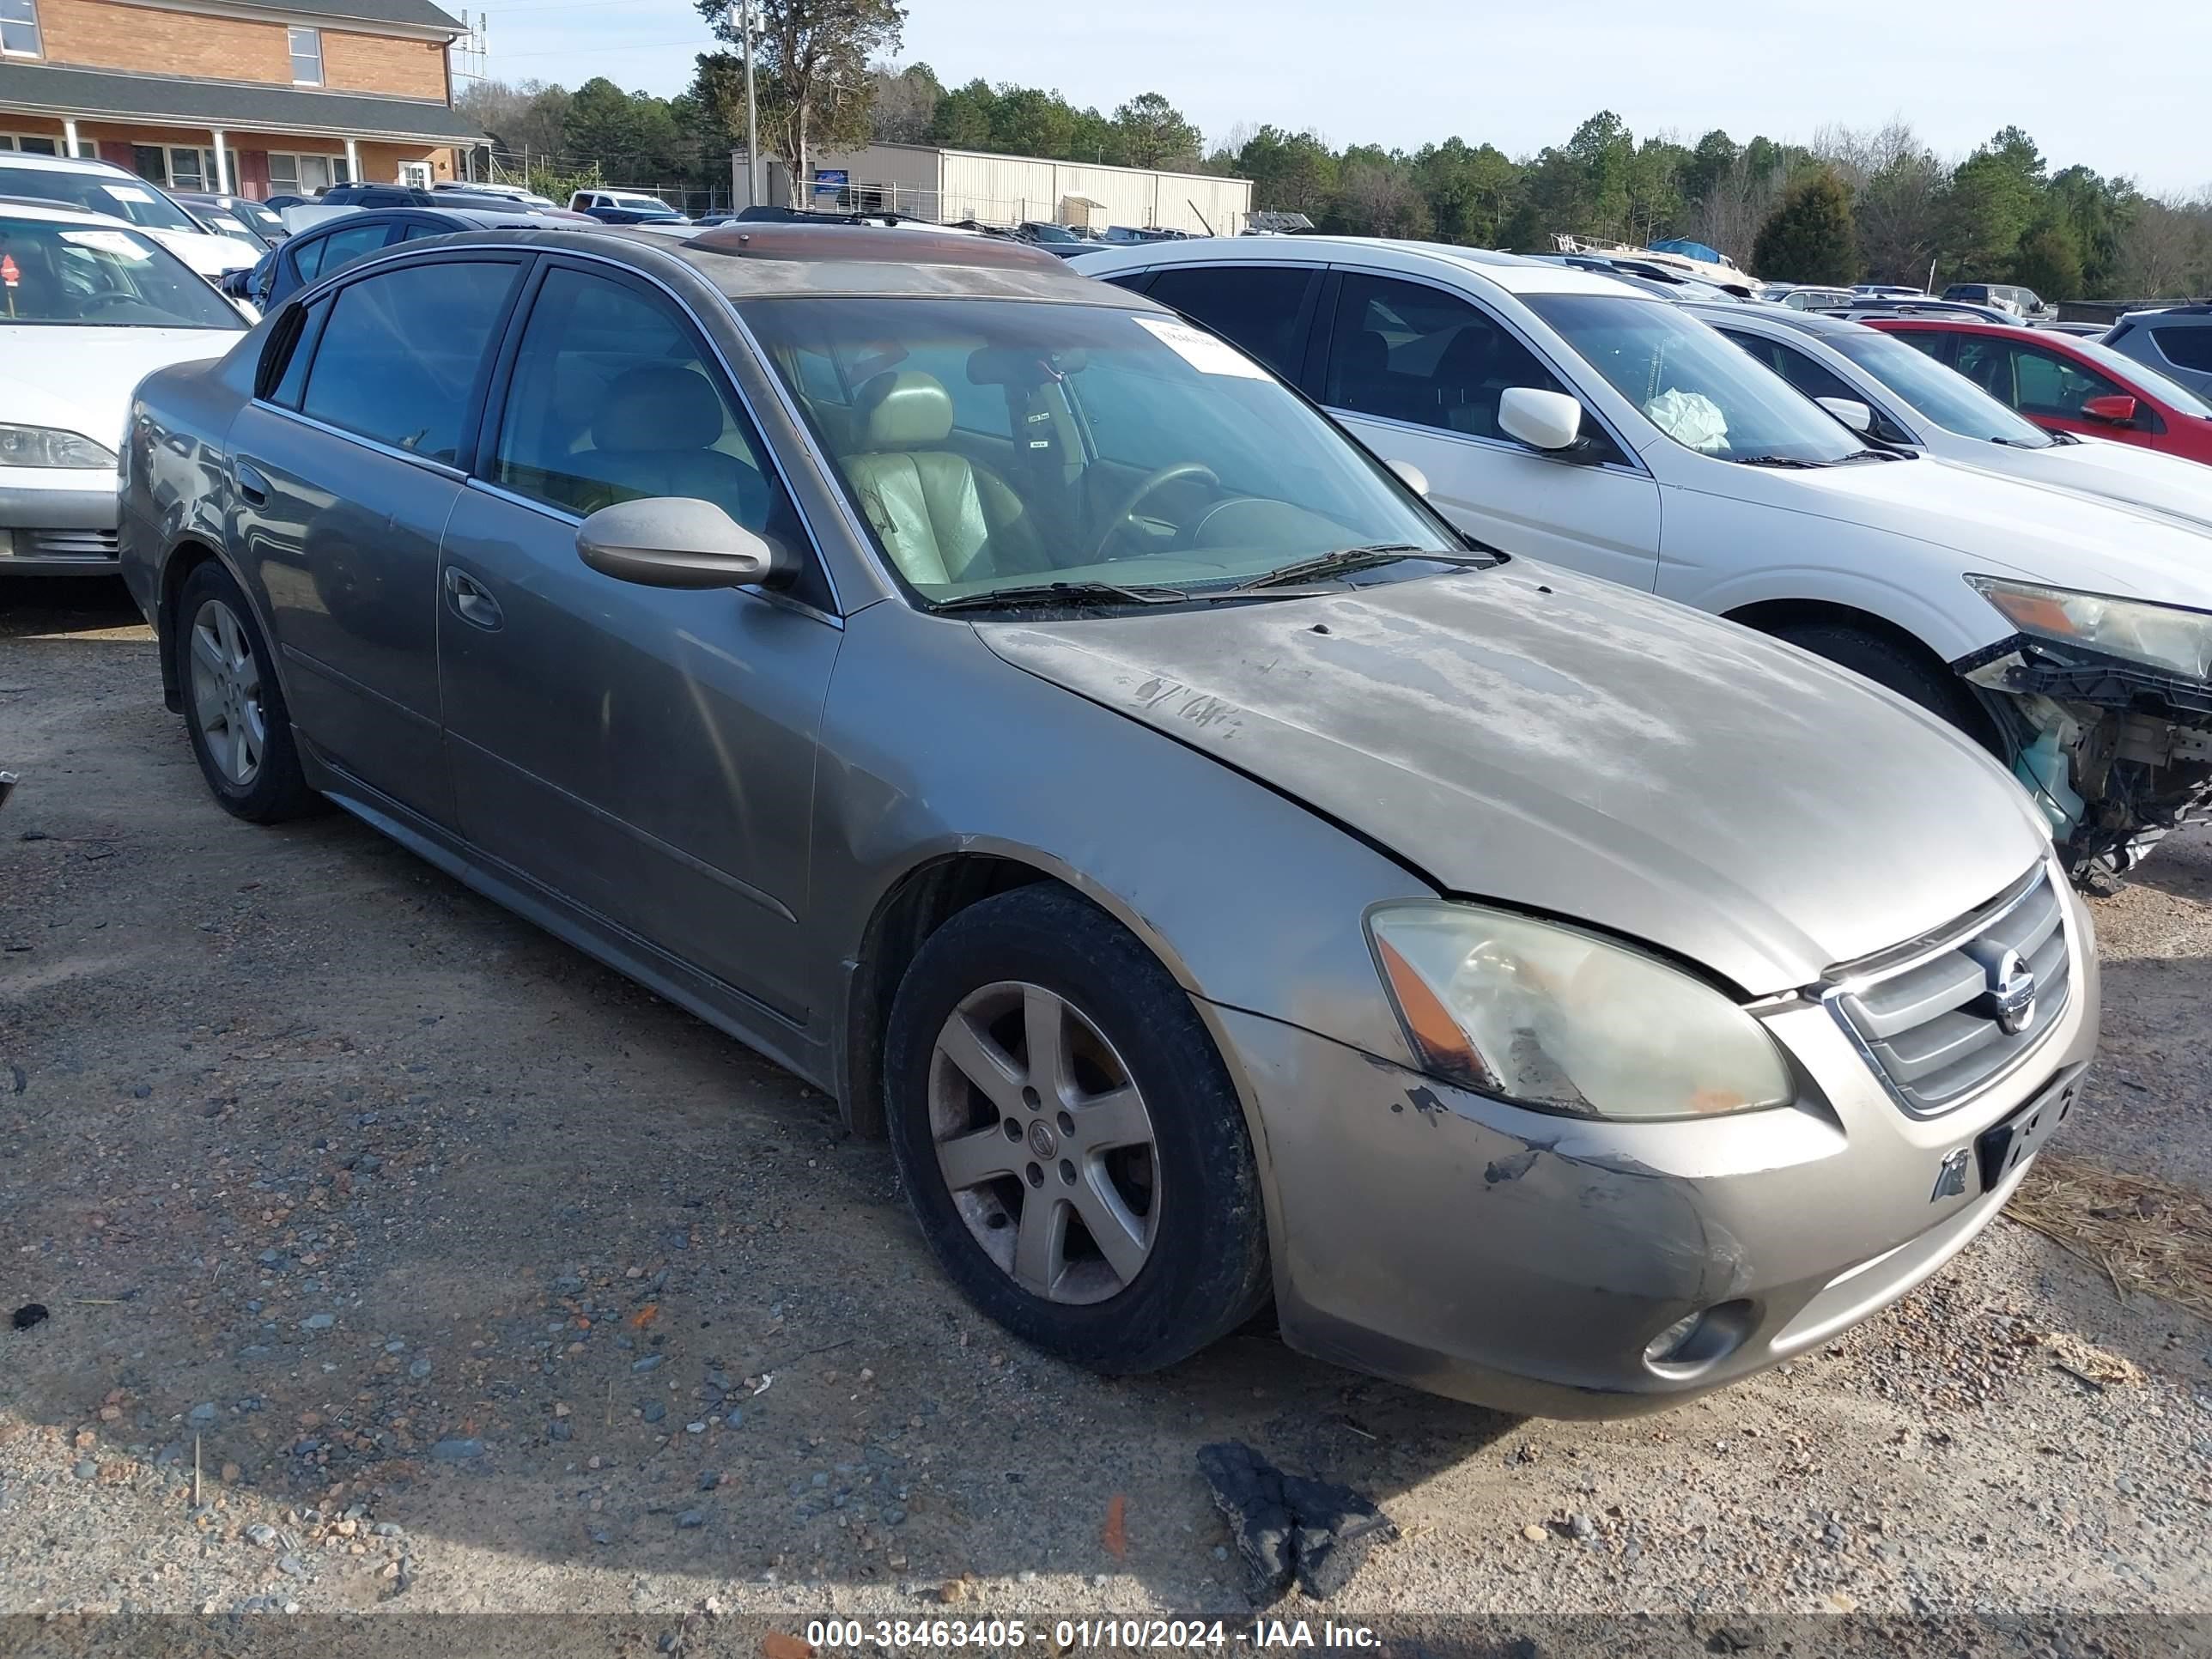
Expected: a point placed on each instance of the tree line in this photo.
(1850, 205)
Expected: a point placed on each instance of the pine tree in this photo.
(1809, 237)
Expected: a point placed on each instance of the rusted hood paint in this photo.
(1563, 745)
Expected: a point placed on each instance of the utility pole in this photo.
(752, 115)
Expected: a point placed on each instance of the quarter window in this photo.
(612, 400)
(1415, 354)
(19, 28)
(325, 255)
(399, 355)
(306, 56)
(1262, 308)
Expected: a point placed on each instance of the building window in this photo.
(291, 174)
(306, 54)
(30, 143)
(19, 28)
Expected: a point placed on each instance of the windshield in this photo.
(224, 224)
(102, 192)
(2172, 392)
(994, 444)
(61, 274)
(651, 203)
(1692, 384)
(1943, 395)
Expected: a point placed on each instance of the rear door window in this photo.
(402, 350)
(1263, 308)
(2186, 348)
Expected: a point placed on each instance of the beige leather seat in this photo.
(942, 517)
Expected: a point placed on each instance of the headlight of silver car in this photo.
(2163, 636)
(1563, 1021)
(50, 445)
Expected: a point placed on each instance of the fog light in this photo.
(1697, 1341)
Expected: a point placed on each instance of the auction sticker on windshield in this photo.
(105, 242)
(1202, 351)
(127, 192)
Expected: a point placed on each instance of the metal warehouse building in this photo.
(951, 185)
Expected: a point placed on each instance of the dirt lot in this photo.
(479, 1279)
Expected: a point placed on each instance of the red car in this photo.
(2065, 383)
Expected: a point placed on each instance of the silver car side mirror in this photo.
(1411, 476)
(1851, 411)
(677, 541)
(1542, 420)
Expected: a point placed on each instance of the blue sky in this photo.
(2131, 99)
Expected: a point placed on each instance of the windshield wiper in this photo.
(1073, 595)
(1792, 462)
(1346, 559)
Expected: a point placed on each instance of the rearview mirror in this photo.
(1851, 411)
(1411, 476)
(677, 541)
(1548, 421)
(2115, 409)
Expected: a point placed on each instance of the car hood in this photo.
(2169, 484)
(1561, 744)
(81, 378)
(2000, 524)
(209, 255)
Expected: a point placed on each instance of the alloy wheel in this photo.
(226, 692)
(1044, 1139)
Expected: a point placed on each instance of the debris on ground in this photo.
(1288, 1527)
(30, 1313)
(2148, 1236)
(2087, 1362)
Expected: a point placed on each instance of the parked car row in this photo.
(1556, 413)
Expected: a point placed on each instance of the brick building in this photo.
(258, 97)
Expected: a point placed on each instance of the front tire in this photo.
(233, 706)
(1068, 1137)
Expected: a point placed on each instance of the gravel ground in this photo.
(475, 1278)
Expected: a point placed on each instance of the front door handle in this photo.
(471, 603)
(252, 486)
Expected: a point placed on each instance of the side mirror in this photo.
(1548, 421)
(2115, 409)
(1411, 476)
(1851, 411)
(676, 541)
(237, 284)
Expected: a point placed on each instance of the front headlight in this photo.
(49, 445)
(1563, 1021)
(2163, 635)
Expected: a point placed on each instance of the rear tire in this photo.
(1895, 668)
(1105, 1114)
(234, 710)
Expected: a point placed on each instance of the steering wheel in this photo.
(1146, 486)
(106, 301)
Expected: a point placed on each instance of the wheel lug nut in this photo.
(1036, 1175)
(1013, 1130)
(1067, 1172)
(1066, 1124)
(1029, 1099)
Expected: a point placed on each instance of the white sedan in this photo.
(1911, 399)
(89, 305)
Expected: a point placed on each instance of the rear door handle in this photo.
(250, 484)
(471, 603)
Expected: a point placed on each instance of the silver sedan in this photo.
(1023, 716)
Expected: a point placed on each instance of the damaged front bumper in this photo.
(2116, 752)
(1531, 1263)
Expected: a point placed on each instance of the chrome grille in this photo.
(1921, 1013)
(88, 544)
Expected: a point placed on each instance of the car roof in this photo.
(1510, 271)
(460, 218)
(17, 207)
(759, 260)
(17, 158)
